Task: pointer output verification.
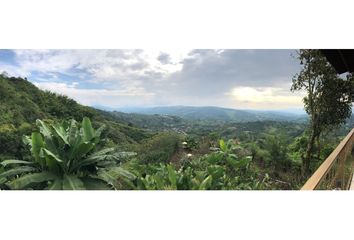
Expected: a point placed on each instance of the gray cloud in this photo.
(164, 58)
(207, 75)
(197, 77)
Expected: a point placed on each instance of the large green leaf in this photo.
(3, 180)
(214, 158)
(112, 175)
(73, 132)
(216, 171)
(17, 171)
(122, 172)
(10, 162)
(26, 140)
(206, 183)
(95, 184)
(242, 163)
(238, 163)
(100, 130)
(56, 185)
(223, 146)
(24, 181)
(44, 128)
(232, 161)
(99, 156)
(172, 176)
(49, 153)
(82, 150)
(72, 182)
(37, 144)
(75, 145)
(159, 183)
(52, 161)
(102, 152)
(89, 132)
(46, 131)
(61, 133)
(107, 176)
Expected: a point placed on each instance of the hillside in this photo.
(270, 147)
(22, 103)
(220, 114)
(154, 122)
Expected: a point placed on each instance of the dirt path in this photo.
(177, 157)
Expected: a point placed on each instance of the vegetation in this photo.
(224, 169)
(64, 150)
(328, 99)
(64, 157)
(160, 148)
(22, 103)
(217, 114)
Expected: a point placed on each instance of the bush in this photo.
(65, 156)
(159, 148)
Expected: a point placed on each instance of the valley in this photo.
(162, 148)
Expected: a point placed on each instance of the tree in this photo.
(4, 74)
(278, 151)
(328, 98)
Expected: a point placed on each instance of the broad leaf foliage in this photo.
(64, 157)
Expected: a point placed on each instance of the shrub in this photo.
(64, 156)
(159, 148)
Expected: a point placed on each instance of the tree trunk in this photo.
(318, 148)
(309, 150)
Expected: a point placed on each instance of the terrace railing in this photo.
(336, 172)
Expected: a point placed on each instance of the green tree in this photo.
(278, 152)
(328, 98)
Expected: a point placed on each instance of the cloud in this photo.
(14, 71)
(208, 75)
(103, 97)
(267, 97)
(165, 77)
(164, 58)
(222, 69)
(103, 65)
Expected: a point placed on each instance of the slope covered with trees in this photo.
(220, 114)
(22, 103)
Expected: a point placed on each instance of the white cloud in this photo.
(104, 65)
(104, 97)
(46, 60)
(14, 71)
(267, 97)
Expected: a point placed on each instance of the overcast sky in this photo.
(258, 79)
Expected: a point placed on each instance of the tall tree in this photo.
(328, 98)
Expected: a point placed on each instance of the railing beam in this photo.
(342, 150)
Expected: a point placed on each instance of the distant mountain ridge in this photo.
(219, 113)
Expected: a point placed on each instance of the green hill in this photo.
(221, 114)
(22, 103)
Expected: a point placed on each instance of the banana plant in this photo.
(166, 177)
(228, 151)
(64, 157)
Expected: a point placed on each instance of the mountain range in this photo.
(219, 113)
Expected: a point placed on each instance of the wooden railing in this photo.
(336, 172)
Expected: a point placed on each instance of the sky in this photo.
(241, 79)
